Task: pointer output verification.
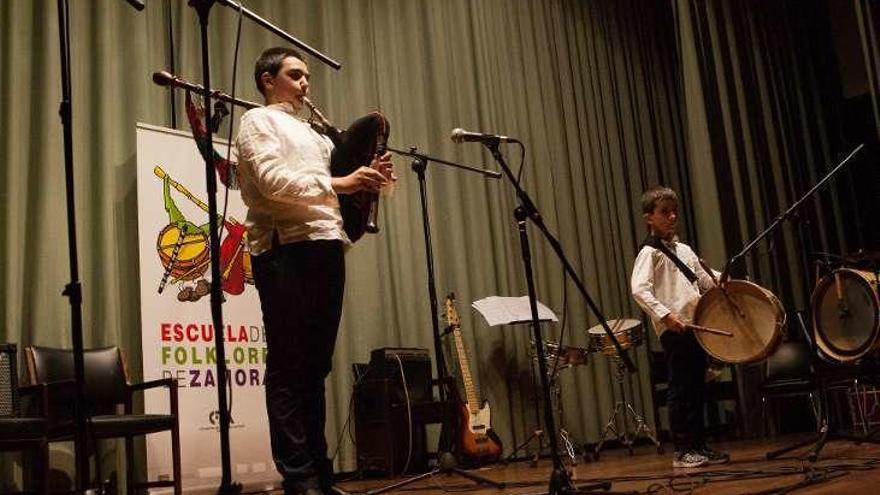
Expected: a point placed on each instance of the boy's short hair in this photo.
(270, 61)
(652, 196)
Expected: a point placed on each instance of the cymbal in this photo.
(619, 325)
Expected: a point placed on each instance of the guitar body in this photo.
(477, 443)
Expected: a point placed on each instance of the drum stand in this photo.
(626, 412)
(564, 435)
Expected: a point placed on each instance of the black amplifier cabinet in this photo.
(416, 364)
(381, 417)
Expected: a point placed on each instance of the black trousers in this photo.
(301, 288)
(686, 362)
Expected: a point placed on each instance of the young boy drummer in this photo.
(667, 281)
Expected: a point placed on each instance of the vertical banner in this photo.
(177, 332)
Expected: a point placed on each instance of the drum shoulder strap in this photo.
(657, 244)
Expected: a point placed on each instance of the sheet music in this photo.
(497, 310)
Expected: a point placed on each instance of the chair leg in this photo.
(35, 464)
(763, 417)
(175, 456)
(96, 481)
(42, 471)
(129, 466)
(816, 409)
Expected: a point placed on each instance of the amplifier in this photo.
(381, 413)
(416, 370)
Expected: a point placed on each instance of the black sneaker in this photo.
(713, 456)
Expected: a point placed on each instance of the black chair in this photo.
(24, 433)
(789, 373)
(106, 388)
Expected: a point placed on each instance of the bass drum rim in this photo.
(706, 340)
(826, 345)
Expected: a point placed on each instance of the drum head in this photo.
(845, 314)
(750, 312)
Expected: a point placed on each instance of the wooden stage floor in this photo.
(851, 469)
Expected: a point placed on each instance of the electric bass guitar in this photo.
(476, 443)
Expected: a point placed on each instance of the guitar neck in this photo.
(469, 388)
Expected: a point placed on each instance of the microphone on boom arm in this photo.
(460, 135)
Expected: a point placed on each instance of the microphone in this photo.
(460, 135)
(137, 4)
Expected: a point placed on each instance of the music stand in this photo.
(446, 461)
(496, 311)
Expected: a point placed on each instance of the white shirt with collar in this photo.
(284, 172)
(660, 288)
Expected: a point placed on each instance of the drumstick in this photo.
(716, 331)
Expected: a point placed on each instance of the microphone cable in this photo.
(522, 161)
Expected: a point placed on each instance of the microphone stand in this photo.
(73, 290)
(560, 480)
(203, 9)
(825, 433)
(446, 461)
(787, 213)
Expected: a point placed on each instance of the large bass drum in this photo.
(750, 312)
(846, 314)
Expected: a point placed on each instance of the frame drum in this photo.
(846, 314)
(752, 313)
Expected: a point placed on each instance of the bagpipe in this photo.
(354, 147)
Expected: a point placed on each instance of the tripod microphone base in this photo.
(446, 465)
(560, 484)
(536, 435)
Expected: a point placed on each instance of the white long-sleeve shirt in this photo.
(284, 172)
(660, 288)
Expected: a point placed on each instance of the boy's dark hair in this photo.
(270, 61)
(652, 196)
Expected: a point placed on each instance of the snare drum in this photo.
(846, 314)
(627, 332)
(567, 356)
